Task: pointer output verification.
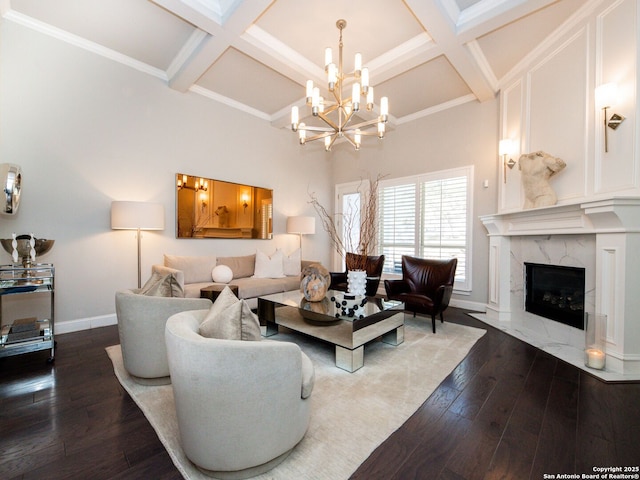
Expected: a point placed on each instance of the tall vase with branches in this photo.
(359, 233)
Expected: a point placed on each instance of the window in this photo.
(428, 216)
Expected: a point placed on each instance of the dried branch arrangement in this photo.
(360, 237)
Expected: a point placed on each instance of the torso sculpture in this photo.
(537, 168)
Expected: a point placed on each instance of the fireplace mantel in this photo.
(606, 233)
(611, 215)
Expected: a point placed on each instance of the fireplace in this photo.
(556, 292)
(600, 235)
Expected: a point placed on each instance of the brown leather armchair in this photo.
(426, 286)
(374, 271)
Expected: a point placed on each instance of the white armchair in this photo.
(241, 405)
(141, 323)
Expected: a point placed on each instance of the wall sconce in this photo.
(606, 97)
(203, 200)
(245, 201)
(202, 185)
(507, 147)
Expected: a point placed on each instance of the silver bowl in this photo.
(41, 247)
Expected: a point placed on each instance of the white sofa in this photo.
(194, 273)
(241, 405)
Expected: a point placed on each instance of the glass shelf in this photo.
(30, 334)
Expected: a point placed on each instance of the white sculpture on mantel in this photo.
(537, 168)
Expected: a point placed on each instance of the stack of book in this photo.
(22, 330)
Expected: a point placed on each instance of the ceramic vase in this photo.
(357, 282)
(315, 282)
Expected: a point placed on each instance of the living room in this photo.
(88, 129)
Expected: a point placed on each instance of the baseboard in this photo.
(467, 305)
(85, 324)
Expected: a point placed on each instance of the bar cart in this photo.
(27, 335)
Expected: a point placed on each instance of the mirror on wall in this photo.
(208, 208)
(11, 178)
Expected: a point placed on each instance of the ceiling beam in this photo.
(194, 60)
(485, 17)
(440, 26)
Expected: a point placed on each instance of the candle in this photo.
(595, 358)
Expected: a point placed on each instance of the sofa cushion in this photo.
(230, 319)
(269, 266)
(257, 287)
(160, 285)
(241, 267)
(196, 269)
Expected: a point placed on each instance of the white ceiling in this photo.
(256, 55)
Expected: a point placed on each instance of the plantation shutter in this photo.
(444, 221)
(397, 207)
(427, 216)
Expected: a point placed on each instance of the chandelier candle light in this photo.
(344, 108)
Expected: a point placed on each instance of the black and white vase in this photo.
(357, 282)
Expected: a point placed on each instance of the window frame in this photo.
(465, 286)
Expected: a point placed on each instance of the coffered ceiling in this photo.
(256, 55)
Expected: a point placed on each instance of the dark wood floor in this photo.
(507, 411)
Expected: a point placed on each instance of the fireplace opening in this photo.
(555, 292)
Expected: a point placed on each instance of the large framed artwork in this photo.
(209, 208)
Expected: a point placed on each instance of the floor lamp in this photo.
(137, 216)
(301, 226)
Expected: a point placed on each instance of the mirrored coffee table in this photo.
(348, 329)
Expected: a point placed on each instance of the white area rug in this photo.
(351, 413)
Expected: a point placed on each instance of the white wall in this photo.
(550, 106)
(87, 130)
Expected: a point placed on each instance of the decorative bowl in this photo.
(41, 247)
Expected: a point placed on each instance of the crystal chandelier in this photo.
(337, 114)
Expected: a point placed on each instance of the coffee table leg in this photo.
(349, 360)
(394, 337)
(272, 329)
(267, 317)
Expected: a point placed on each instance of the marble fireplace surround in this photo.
(602, 236)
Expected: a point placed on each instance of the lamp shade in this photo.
(606, 95)
(134, 215)
(506, 147)
(301, 225)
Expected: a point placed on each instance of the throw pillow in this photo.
(269, 266)
(240, 266)
(292, 263)
(230, 320)
(221, 274)
(160, 285)
(224, 301)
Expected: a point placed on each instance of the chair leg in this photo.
(441, 318)
(433, 322)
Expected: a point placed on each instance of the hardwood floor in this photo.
(507, 411)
